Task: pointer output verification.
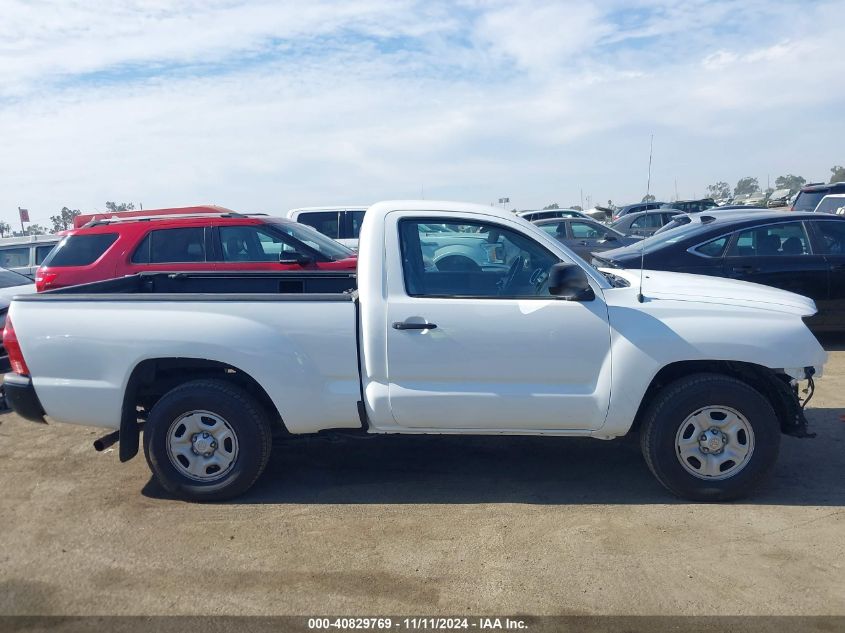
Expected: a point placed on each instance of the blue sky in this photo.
(264, 106)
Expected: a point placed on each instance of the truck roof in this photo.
(440, 205)
(343, 207)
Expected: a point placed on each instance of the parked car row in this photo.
(585, 237)
(800, 252)
(220, 240)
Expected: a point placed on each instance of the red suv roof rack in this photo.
(82, 220)
(174, 216)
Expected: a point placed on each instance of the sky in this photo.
(265, 106)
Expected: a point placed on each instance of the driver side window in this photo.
(472, 259)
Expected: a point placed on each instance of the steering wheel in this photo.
(513, 271)
(539, 278)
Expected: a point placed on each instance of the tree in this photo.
(838, 172)
(719, 191)
(64, 220)
(648, 198)
(553, 205)
(4, 229)
(113, 207)
(746, 185)
(793, 183)
(32, 229)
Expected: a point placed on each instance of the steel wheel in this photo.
(202, 446)
(714, 443)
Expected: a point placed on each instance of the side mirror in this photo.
(287, 257)
(610, 237)
(570, 282)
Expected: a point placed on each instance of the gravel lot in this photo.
(422, 526)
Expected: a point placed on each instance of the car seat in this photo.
(792, 246)
(768, 245)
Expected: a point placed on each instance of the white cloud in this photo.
(263, 106)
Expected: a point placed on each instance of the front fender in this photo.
(658, 333)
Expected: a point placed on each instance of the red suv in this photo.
(173, 240)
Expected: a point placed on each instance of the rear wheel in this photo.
(710, 437)
(207, 440)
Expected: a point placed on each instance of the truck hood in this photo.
(658, 284)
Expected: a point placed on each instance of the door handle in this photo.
(837, 266)
(405, 325)
(583, 242)
(745, 269)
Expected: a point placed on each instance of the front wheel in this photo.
(710, 437)
(207, 440)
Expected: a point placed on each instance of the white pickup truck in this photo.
(514, 335)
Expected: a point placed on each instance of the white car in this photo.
(339, 223)
(529, 341)
(832, 203)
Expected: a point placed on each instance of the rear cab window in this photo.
(14, 257)
(41, 253)
(79, 250)
(355, 219)
(326, 222)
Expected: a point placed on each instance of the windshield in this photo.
(316, 240)
(9, 279)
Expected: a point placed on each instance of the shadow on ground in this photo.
(404, 469)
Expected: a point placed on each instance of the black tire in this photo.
(682, 398)
(246, 418)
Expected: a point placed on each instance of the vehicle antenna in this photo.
(640, 297)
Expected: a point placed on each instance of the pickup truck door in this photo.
(475, 340)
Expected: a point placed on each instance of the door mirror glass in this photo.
(569, 282)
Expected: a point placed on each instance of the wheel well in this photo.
(153, 378)
(773, 386)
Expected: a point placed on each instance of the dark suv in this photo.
(810, 195)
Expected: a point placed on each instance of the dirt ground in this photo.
(410, 525)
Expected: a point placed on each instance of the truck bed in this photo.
(296, 332)
(193, 286)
